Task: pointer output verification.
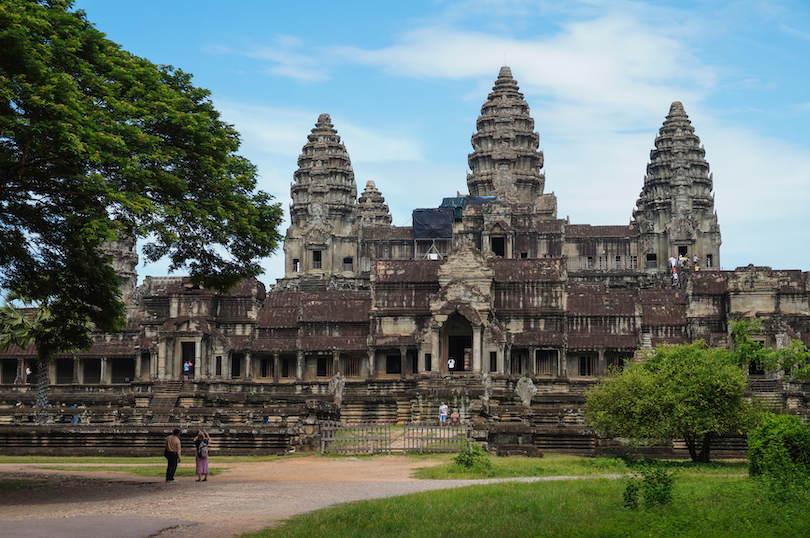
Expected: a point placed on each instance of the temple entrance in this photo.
(457, 332)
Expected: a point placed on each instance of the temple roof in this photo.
(505, 161)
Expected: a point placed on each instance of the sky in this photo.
(404, 83)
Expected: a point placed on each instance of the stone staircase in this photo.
(164, 396)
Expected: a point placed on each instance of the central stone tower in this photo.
(505, 161)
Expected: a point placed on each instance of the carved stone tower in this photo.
(675, 211)
(322, 238)
(124, 259)
(505, 161)
(373, 210)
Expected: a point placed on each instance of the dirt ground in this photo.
(247, 497)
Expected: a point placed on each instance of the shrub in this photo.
(653, 481)
(473, 456)
(779, 441)
(779, 456)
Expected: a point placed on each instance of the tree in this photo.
(689, 392)
(22, 328)
(97, 144)
(793, 360)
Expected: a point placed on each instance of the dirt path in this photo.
(248, 497)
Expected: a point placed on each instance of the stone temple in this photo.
(492, 279)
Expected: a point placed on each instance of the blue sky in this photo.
(404, 83)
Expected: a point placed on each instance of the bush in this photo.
(654, 483)
(473, 456)
(779, 456)
(779, 441)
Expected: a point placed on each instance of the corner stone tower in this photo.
(675, 210)
(505, 161)
(322, 238)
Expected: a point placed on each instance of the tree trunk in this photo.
(43, 365)
(703, 457)
(692, 446)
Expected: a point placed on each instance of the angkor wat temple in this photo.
(493, 280)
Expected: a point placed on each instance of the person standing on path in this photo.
(202, 442)
(443, 414)
(172, 454)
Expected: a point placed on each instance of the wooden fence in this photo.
(337, 438)
(434, 438)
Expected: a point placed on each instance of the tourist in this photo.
(672, 262)
(202, 442)
(675, 282)
(451, 364)
(186, 369)
(172, 454)
(28, 374)
(75, 419)
(443, 414)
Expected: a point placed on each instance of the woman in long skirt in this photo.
(202, 441)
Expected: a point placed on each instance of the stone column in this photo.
(248, 374)
(198, 369)
(436, 356)
(532, 361)
(227, 359)
(104, 379)
(161, 362)
(507, 359)
(299, 365)
(476, 349)
(20, 377)
(276, 367)
(601, 369)
(76, 364)
(403, 362)
(137, 365)
(420, 359)
(335, 362)
(372, 367)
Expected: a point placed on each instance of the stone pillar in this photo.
(76, 364)
(372, 367)
(436, 356)
(532, 362)
(403, 362)
(476, 349)
(507, 359)
(137, 365)
(248, 374)
(420, 359)
(228, 358)
(601, 369)
(335, 362)
(104, 380)
(299, 365)
(198, 369)
(276, 367)
(20, 377)
(161, 362)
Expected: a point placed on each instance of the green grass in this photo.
(549, 465)
(139, 470)
(707, 505)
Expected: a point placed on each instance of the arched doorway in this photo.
(457, 337)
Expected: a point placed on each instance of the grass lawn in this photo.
(710, 500)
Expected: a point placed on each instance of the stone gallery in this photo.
(481, 296)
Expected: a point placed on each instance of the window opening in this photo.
(652, 261)
(316, 259)
(348, 264)
(296, 265)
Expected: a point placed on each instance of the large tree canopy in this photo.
(95, 144)
(689, 392)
